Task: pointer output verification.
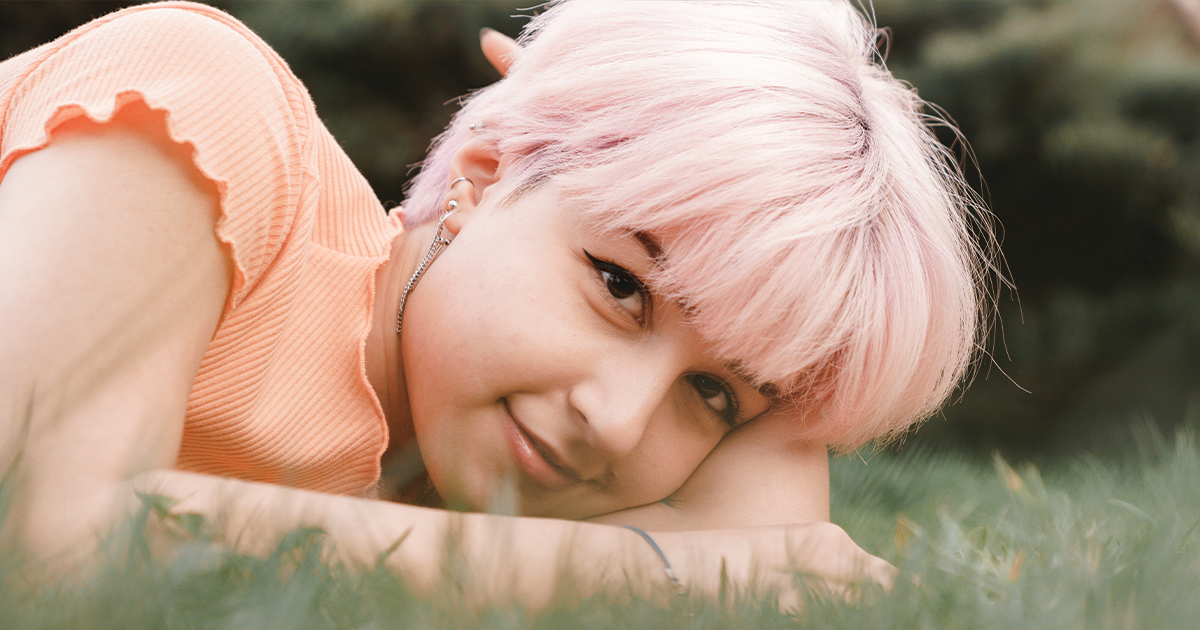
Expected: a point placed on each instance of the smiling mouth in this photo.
(534, 457)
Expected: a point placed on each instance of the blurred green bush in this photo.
(1084, 118)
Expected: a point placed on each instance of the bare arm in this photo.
(114, 282)
(510, 558)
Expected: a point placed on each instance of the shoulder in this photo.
(171, 31)
(182, 56)
(224, 92)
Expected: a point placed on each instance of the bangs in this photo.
(826, 279)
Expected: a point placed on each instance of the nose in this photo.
(619, 399)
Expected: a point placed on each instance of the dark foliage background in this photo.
(1083, 117)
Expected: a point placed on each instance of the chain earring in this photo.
(435, 248)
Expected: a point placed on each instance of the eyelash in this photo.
(732, 415)
(605, 267)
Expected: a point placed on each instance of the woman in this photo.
(645, 280)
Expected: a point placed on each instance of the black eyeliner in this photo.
(615, 269)
(604, 265)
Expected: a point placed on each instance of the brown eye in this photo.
(718, 395)
(619, 285)
(629, 293)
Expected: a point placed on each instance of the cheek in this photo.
(507, 314)
(440, 342)
(449, 354)
(481, 327)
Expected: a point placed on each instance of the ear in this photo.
(480, 163)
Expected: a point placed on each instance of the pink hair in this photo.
(813, 226)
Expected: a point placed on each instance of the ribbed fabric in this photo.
(282, 395)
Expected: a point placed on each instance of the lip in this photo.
(534, 457)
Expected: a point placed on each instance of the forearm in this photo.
(502, 558)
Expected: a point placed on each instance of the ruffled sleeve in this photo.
(281, 395)
(224, 93)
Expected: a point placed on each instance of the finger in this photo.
(883, 573)
(862, 568)
(849, 586)
(825, 551)
(500, 49)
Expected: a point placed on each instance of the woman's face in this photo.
(538, 363)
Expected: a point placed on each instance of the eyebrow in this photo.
(769, 390)
(653, 248)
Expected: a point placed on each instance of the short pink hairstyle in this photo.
(812, 225)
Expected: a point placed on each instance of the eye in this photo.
(718, 395)
(629, 292)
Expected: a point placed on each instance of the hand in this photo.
(787, 560)
(500, 49)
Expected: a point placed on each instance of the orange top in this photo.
(282, 394)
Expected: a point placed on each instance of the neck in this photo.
(384, 360)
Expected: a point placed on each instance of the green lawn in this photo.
(1088, 545)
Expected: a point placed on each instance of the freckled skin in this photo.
(515, 316)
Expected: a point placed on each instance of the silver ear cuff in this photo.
(435, 248)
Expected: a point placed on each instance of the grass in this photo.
(1087, 545)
